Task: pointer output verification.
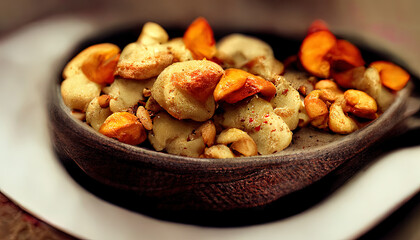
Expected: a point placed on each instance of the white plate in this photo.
(32, 176)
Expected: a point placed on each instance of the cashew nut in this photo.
(96, 114)
(77, 91)
(126, 93)
(218, 151)
(177, 48)
(185, 89)
(139, 61)
(316, 109)
(208, 132)
(330, 90)
(338, 120)
(172, 135)
(152, 33)
(360, 104)
(240, 141)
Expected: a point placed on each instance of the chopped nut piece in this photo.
(103, 101)
(144, 117)
(147, 92)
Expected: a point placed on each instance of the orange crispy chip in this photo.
(344, 55)
(125, 127)
(100, 65)
(237, 84)
(392, 76)
(199, 39)
(313, 51)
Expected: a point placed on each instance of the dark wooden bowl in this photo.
(176, 183)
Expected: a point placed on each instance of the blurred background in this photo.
(391, 24)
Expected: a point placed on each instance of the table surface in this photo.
(15, 223)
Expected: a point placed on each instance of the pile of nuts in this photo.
(193, 96)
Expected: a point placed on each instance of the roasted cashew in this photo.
(173, 136)
(96, 114)
(316, 109)
(218, 151)
(139, 61)
(330, 90)
(152, 33)
(360, 104)
(178, 50)
(239, 141)
(207, 131)
(338, 119)
(143, 115)
(77, 91)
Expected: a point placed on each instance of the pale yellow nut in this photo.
(371, 84)
(257, 118)
(96, 114)
(138, 61)
(286, 102)
(179, 51)
(207, 132)
(240, 141)
(185, 89)
(126, 93)
(338, 120)
(330, 90)
(152, 33)
(172, 135)
(218, 151)
(77, 91)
